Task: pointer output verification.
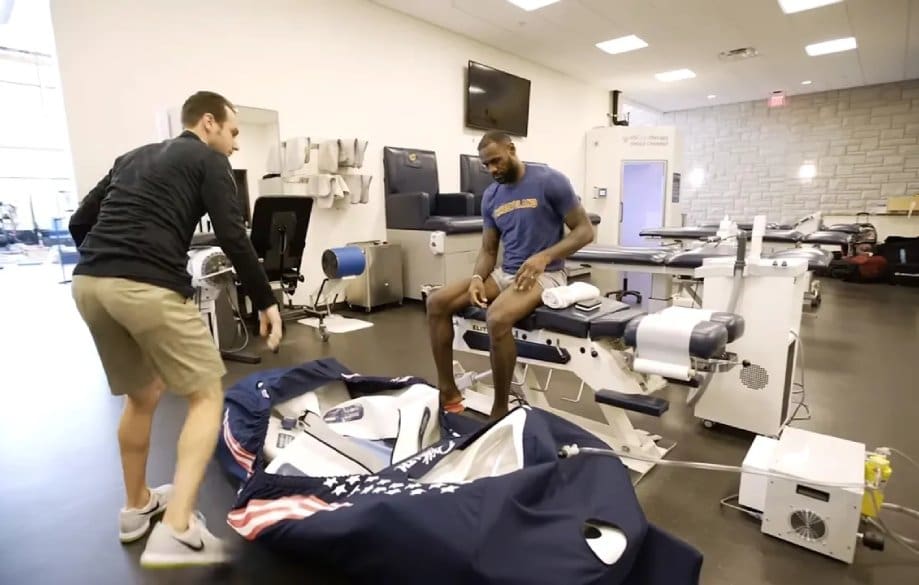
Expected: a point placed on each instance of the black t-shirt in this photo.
(137, 223)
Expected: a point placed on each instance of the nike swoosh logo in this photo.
(157, 508)
(195, 547)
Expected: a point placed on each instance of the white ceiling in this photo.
(690, 34)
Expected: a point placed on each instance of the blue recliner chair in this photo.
(413, 197)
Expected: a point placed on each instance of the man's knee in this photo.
(439, 303)
(210, 391)
(500, 322)
(149, 396)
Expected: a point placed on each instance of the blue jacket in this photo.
(526, 526)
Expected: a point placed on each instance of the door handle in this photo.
(620, 212)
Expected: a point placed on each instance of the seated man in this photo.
(527, 208)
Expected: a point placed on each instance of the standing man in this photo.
(526, 209)
(132, 288)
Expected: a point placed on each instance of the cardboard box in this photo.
(903, 203)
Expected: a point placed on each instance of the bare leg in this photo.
(134, 441)
(441, 307)
(196, 447)
(510, 306)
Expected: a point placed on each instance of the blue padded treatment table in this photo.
(695, 257)
(691, 232)
(614, 319)
(456, 224)
(700, 232)
(846, 228)
(786, 236)
(817, 259)
(825, 237)
(623, 255)
(669, 257)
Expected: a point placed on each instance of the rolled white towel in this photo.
(296, 155)
(560, 297)
(328, 156)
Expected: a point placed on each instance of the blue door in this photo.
(644, 190)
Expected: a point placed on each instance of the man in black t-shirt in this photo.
(132, 288)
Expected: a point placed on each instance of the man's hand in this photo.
(270, 327)
(477, 292)
(529, 272)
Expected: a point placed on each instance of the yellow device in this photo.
(877, 473)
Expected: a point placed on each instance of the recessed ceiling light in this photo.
(675, 75)
(792, 6)
(834, 46)
(807, 171)
(622, 45)
(711, 96)
(806, 82)
(529, 5)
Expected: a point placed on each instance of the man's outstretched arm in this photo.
(84, 218)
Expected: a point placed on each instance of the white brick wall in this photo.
(863, 141)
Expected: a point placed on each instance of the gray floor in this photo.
(60, 487)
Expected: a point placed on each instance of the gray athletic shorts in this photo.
(546, 279)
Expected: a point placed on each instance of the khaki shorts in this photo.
(546, 279)
(141, 331)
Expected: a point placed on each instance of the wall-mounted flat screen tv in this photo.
(496, 100)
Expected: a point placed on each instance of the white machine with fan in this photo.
(211, 273)
(807, 511)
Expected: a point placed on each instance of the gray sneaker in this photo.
(136, 521)
(197, 546)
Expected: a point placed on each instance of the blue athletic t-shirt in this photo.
(529, 215)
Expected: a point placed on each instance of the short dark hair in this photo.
(494, 137)
(205, 102)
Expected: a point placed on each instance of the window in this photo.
(35, 167)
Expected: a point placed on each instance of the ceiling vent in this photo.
(738, 54)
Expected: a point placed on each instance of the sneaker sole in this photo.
(135, 535)
(172, 561)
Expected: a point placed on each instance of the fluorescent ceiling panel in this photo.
(676, 75)
(834, 46)
(792, 6)
(622, 45)
(529, 5)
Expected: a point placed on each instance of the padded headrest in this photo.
(474, 178)
(733, 323)
(707, 340)
(410, 170)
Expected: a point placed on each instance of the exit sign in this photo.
(777, 99)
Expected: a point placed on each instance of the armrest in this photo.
(455, 204)
(407, 210)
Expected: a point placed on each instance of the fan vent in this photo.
(754, 377)
(808, 525)
(738, 54)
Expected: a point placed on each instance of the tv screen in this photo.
(241, 176)
(496, 100)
